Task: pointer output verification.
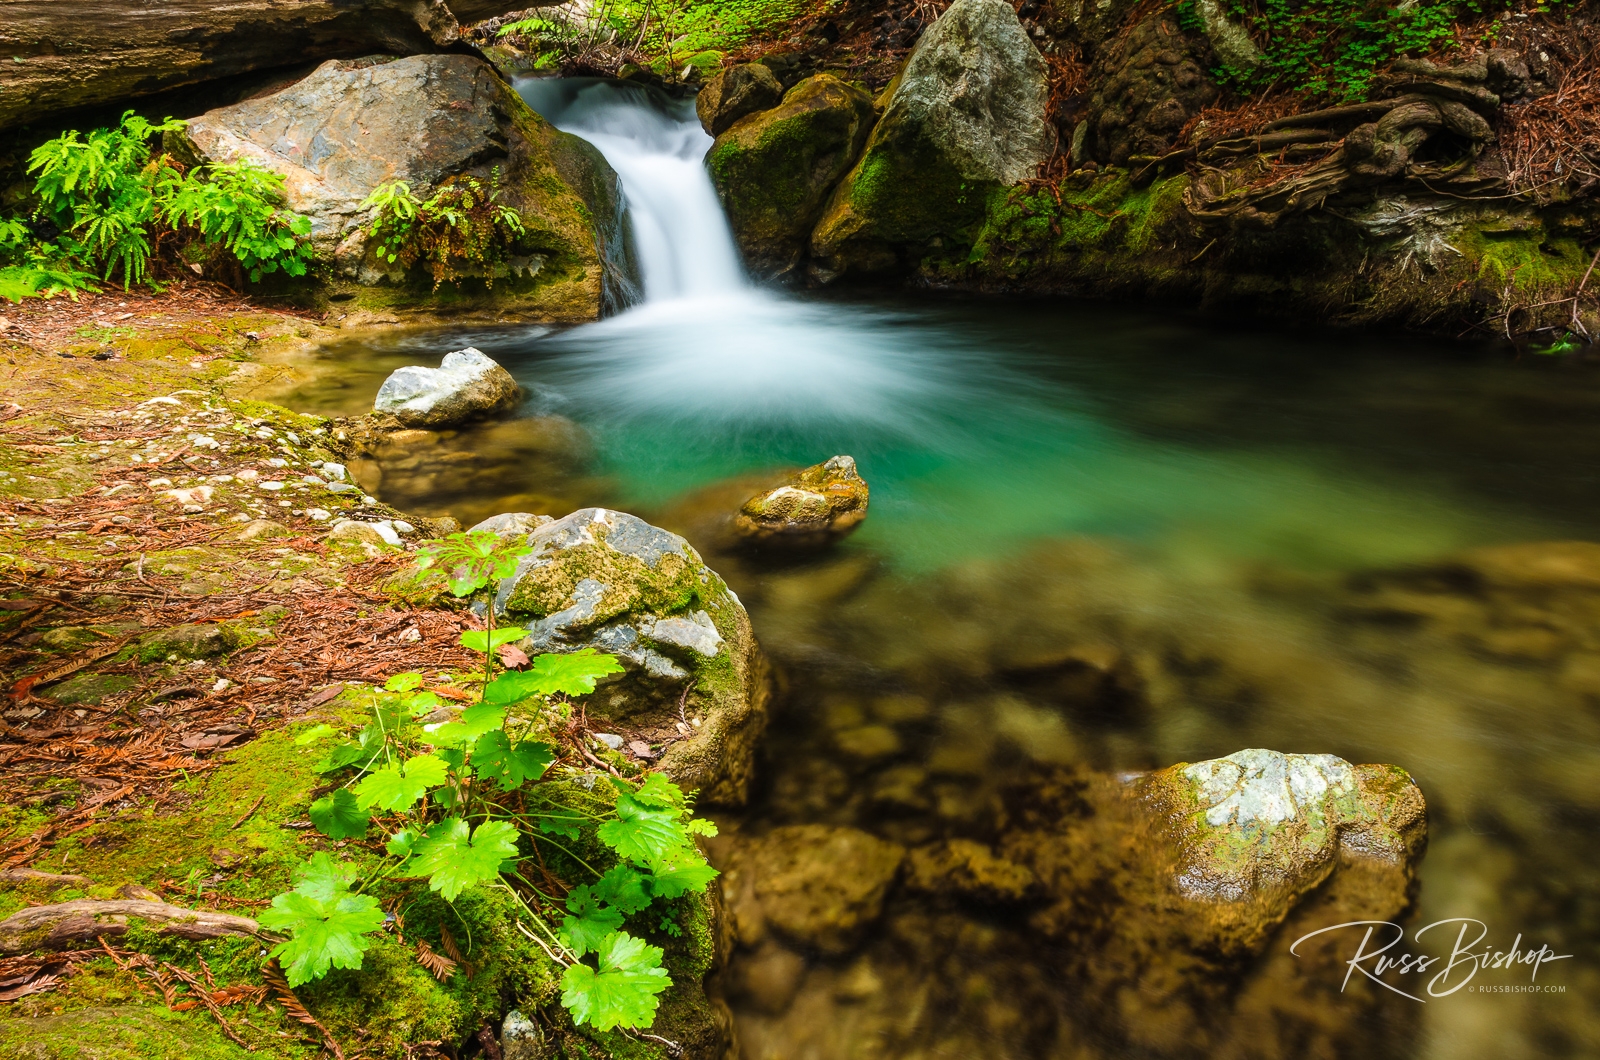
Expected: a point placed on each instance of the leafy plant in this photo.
(465, 800)
(462, 226)
(115, 205)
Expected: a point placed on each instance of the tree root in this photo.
(63, 926)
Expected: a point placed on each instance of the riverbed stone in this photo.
(775, 169)
(355, 124)
(735, 93)
(467, 385)
(818, 506)
(610, 581)
(969, 114)
(817, 887)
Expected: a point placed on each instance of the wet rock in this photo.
(1259, 829)
(522, 1039)
(774, 170)
(969, 114)
(512, 523)
(816, 886)
(608, 580)
(467, 385)
(819, 506)
(735, 93)
(353, 125)
(963, 868)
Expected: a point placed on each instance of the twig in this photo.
(1576, 324)
(254, 806)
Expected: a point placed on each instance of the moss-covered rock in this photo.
(610, 581)
(817, 506)
(968, 115)
(735, 93)
(353, 125)
(775, 168)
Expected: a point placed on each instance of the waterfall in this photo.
(656, 145)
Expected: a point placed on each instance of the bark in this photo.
(69, 924)
(65, 55)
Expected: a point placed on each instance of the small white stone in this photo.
(159, 483)
(320, 515)
(277, 461)
(272, 485)
(265, 432)
(403, 526)
(249, 474)
(335, 472)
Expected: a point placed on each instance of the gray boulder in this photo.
(736, 92)
(355, 124)
(610, 581)
(512, 523)
(969, 114)
(467, 385)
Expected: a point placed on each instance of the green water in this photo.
(1227, 512)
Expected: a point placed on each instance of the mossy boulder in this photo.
(195, 640)
(608, 580)
(736, 92)
(774, 169)
(353, 125)
(968, 115)
(817, 506)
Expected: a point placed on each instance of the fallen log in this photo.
(65, 55)
(63, 926)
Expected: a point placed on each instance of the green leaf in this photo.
(657, 792)
(403, 683)
(673, 882)
(339, 816)
(453, 863)
(623, 887)
(573, 673)
(590, 922)
(326, 923)
(568, 827)
(339, 756)
(399, 788)
(473, 723)
(481, 640)
(400, 844)
(622, 992)
(643, 835)
(313, 734)
(493, 758)
(701, 826)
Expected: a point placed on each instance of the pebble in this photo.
(340, 487)
(277, 461)
(249, 474)
(335, 472)
(320, 515)
(611, 740)
(272, 485)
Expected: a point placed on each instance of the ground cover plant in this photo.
(105, 207)
(462, 225)
(463, 801)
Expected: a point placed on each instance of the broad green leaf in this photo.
(473, 723)
(339, 816)
(313, 734)
(399, 787)
(657, 792)
(622, 992)
(642, 835)
(673, 882)
(701, 826)
(480, 640)
(590, 922)
(622, 887)
(403, 683)
(421, 704)
(326, 923)
(322, 933)
(494, 758)
(573, 673)
(557, 824)
(339, 756)
(400, 844)
(453, 863)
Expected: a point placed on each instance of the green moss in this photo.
(120, 1032)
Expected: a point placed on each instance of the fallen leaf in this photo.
(513, 657)
(319, 698)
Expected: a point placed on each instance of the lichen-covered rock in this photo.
(734, 93)
(352, 125)
(815, 886)
(969, 114)
(775, 169)
(512, 523)
(1259, 829)
(201, 640)
(608, 580)
(818, 506)
(467, 385)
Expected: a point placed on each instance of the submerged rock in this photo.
(775, 169)
(815, 886)
(736, 92)
(969, 114)
(818, 506)
(608, 580)
(353, 125)
(467, 385)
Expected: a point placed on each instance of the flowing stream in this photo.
(1211, 509)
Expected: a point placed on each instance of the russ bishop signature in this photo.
(1469, 955)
